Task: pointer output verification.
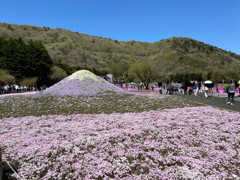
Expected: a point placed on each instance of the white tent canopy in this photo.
(208, 82)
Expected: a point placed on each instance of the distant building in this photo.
(109, 78)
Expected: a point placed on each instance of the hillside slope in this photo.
(169, 56)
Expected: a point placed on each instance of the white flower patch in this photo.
(185, 173)
(80, 75)
(122, 164)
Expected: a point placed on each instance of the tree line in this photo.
(143, 72)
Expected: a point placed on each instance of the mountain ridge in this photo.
(168, 56)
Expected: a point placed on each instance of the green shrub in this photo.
(29, 82)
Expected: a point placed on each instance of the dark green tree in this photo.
(42, 63)
(25, 60)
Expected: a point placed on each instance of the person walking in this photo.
(168, 88)
(171, 86)
(160, 87)
(217, 90)
(231, 92)
(239, 88)
(195, 88)
(182, 87)
(186, 87)
(190, 88)
(176, 88)
(205, 88)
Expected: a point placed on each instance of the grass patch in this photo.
(20, 106)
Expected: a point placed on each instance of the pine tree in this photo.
(25, 60)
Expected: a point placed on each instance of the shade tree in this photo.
(142, 71)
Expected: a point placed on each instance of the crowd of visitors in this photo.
(6, 89)
(188, 87)
(194, 87)
(184, 87)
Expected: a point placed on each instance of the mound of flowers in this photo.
(182, 143)
(82, 83)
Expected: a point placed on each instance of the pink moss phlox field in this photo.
(182, 143)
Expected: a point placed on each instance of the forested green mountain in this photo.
(167, 56)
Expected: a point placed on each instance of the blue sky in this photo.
(215, 22)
